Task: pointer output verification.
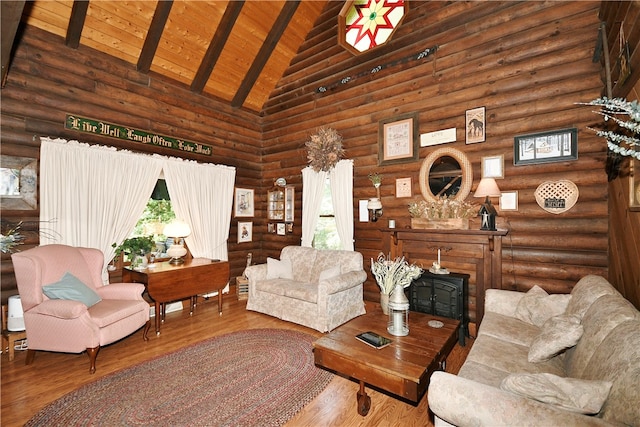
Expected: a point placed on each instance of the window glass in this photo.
(155, 216)
(326, 234)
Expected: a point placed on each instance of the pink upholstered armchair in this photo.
(69, 325)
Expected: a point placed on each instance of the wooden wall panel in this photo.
(624, 224)
(528, 63)
(48, 80)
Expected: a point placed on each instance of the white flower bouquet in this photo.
(389, 273)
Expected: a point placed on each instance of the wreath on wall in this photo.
(324, 149)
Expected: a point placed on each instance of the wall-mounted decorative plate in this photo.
(557, 196)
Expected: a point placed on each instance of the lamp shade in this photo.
(177, 228)
(487, 187)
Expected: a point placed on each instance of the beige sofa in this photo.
(499, 386)
(320, 289)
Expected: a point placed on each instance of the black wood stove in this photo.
(442, 295)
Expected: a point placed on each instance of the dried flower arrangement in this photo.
(324, 149)
(391, 272)
(442, 208)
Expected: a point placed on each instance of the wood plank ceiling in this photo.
(234, 51)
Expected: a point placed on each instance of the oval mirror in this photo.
(446, 171)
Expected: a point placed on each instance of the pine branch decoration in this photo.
(324, 149)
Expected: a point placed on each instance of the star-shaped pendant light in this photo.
(366, 24)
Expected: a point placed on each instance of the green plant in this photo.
(375, 178)
(135, 246)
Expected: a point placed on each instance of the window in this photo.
(156, 215)
(326, 233)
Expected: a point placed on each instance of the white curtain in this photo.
(202, 196)
(92, 196)
(341, 178)
(312, 188)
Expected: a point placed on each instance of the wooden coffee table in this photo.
(403, 368)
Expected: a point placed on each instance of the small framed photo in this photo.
(509, 201)
(398, 140)
(271, 227)
(493, 166)
(245, 232)
(289, 227)
(475, 125)
(281, 229)
(243, 202)
(545, 147)
(403, 187)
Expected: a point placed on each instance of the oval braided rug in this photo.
(256, 377)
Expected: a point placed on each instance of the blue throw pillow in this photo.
(71, 288)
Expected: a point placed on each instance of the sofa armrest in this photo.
(60, 308)
(344, 281)
(463, 402)
(502, 302)
(256, 273)
(125, 291)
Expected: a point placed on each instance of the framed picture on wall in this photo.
(398, 139)
(545, 147)
(493, 166)
(243, 202)
(245, 232)
(475, 125)
(403, 187)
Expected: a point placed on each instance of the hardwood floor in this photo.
(26, 389)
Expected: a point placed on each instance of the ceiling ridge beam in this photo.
(279, 27)
(151, 42)
(218, 41)
(76, 23)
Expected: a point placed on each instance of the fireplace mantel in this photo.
(475, 252)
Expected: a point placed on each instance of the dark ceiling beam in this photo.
(10, 12)
(76, 23)
(286, 14)
(160, 17)
(217, 44)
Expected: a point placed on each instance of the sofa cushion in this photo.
(572, 394)
(509, 357)
(586, 291)
(537, 306)
(302, 291)
(508, 329)
(279, 269)
(617, 359)
(69, 287)
(556, 335)
(329, 273)
(304, 258)
(602, 317)
(482, 373)
(273, 286)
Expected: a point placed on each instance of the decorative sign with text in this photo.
(97, 127)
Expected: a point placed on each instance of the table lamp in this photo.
(487, 188)
(177, 230)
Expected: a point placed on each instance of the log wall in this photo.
(47, 80)
(527, 63)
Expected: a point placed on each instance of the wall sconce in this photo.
(487, 188)
(177, 230)
(374, 206)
